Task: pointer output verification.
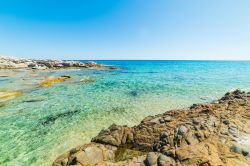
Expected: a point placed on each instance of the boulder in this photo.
(151, 159)
(115, 135)
(90, 64)
(165, 161)
(89, 156)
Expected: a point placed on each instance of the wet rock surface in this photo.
(204, 134)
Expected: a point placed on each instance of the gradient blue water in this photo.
(70, 113)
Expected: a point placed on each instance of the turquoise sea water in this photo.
(46, 122)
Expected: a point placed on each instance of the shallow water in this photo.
(46, 122)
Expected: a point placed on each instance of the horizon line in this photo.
(88, 59)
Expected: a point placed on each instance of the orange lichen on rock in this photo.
(48, 82)
(6, 95)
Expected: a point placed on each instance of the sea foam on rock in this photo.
(196, 136)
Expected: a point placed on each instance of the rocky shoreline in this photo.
(7, 62)
(217, 133)
(10, 66)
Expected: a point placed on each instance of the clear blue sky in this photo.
(125, 29)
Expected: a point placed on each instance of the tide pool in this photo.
(46, 122)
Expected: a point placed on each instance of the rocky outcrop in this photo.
(204, 134)
(7, 62)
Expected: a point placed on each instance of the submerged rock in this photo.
(113, 68)
(87, 79)
(48, 82)
(204, 134)
(32, 99)
(6, 95)
(133, 93)
(51, 119)
(2, 105)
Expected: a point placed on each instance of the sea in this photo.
(46, 122)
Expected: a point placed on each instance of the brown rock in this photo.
(151, 159)
(165, 161)
(204, 135)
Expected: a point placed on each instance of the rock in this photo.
(6, 95)
(32, 65)
(236, 149)
(66, 76)
(239, 149)
(195, 121)
(124, 153)
(40, 67)
(226, 122)
(115, 135)
(233, 131)
(133, 93)
(165, 161)
(31, 100)
(167, 118)
(15, 63)
(113, 68)
(48, 82)
(67, 64)
(196, 136)
(164, 137)
(90, 156)
(151, 159)
(182, 130)
(90, 64)
(87, 80)
(245, 152)
(161, 120)
(52, 118)
(157, 146)
(156, 120)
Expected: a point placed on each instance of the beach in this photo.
(124, 83)
(41, 123)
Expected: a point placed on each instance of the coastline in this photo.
(7, 62)
(10, 66)
(204, 134)
(50, 111)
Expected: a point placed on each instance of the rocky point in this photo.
(7, 62)
(204, 134)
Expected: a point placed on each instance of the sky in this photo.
(125, 29)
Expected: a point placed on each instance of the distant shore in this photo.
(7, 62)
(11, 65)
(204, 134)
